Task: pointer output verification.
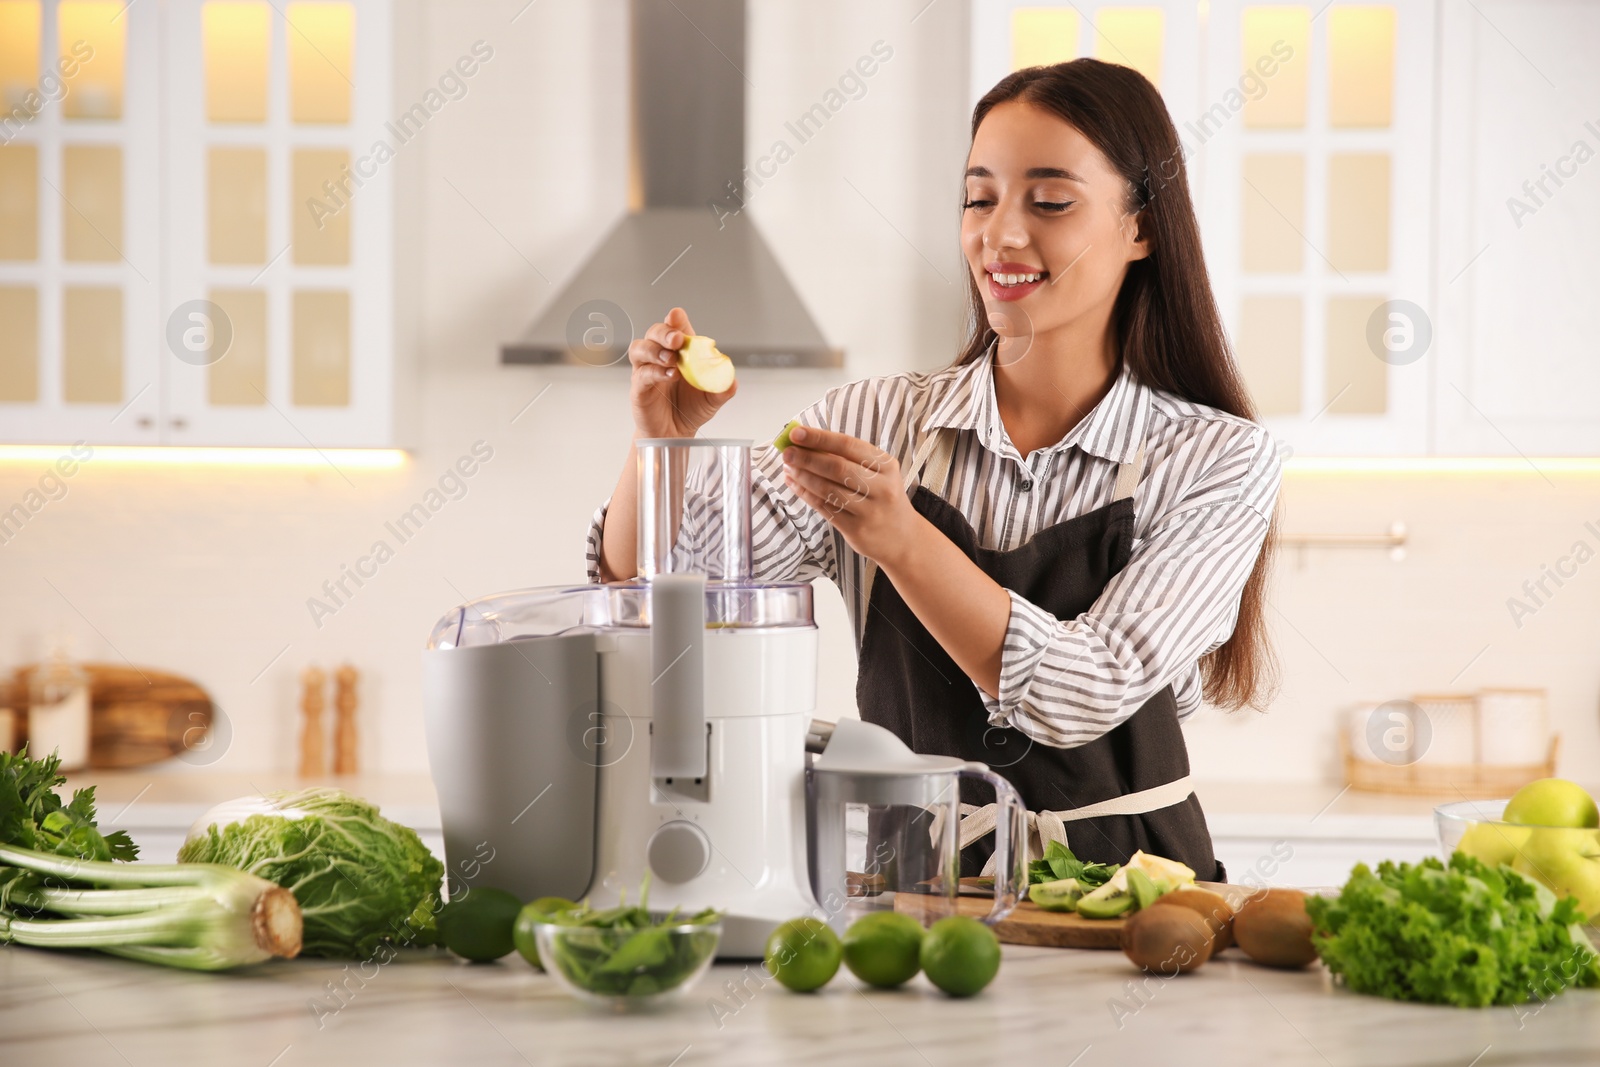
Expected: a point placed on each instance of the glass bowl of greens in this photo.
(627, 957)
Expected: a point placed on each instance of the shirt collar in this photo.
(1112, 431)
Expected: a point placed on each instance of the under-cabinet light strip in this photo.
(186, 456)
(1537, 466)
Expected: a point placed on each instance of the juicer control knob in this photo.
(678, 851)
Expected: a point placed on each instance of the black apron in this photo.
(910, 685)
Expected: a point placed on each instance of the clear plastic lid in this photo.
(556, 609)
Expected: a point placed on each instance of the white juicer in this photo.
(581, 736)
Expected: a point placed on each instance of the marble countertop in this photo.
(1059, 1007)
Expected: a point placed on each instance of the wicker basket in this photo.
(1474, 781)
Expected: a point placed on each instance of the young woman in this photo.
(1055, 548)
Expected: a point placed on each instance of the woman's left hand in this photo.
(856, 486)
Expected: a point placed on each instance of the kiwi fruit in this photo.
(1167, 941)
(1211, 907)
(1273, 929)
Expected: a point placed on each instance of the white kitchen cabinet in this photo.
(80, 249)
(1306, 134)
(1160, 40)
(1436, 152)
(223, 275)
(281, 179)
(1314, 158)
(1309, 860)
(1519, 249)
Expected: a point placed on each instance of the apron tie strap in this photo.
(1047, 826)
(1128, 475)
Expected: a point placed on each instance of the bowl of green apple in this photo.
(1549, 830)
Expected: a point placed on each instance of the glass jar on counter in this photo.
(58, 711)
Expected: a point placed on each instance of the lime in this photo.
(960, 955)
(803, 954)
(882, 949)
(523, 935)
(478, 925)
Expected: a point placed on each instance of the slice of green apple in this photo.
(703, 367)
(782, 441)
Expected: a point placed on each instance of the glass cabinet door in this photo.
(1317, 119)
(1300, 124)
(279, 327)
(80, 263)
(1158, 38)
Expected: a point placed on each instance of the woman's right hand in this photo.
(664, 405)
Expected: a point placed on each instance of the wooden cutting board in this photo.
(1029, 924)
(137, 715)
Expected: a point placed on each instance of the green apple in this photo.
(1568, 861)
(703, 367)
(782, 441)
(1493, 843)
(1552, 802)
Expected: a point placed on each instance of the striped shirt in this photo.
(1202, 510)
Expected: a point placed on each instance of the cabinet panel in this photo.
(174, 165)
(1520, 235)
(1155, 38)
(1316, 162)
(1310, 863)
(1308, 132)
(80, 259)
(280, 174)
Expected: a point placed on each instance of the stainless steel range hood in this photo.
(686, 240)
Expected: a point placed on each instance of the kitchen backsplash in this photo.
(224, 575)
(240, 577)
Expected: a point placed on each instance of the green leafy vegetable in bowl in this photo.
(1467, 934)
(361, 880)
(627, 953)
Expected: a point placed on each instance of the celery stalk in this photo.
(196, 916)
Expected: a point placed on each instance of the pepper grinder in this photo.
(344, 723)
(313, 739)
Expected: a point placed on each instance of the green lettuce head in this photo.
(361, 880)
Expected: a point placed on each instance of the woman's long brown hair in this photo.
(1168, 330)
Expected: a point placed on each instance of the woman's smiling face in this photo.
(1045, 226)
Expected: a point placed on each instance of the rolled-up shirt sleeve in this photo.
(591, 545)
(1065, 682)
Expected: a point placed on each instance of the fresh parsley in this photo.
(32, 816)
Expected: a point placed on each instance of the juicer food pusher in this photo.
(582, 735)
